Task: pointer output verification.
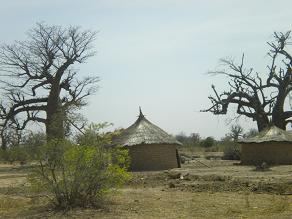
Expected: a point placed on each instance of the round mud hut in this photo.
(150, 148)
(272, 145)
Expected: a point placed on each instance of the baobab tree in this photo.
(39, 83)
(259, 98)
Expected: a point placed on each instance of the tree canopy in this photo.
(259, 98)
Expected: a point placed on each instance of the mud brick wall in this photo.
(269, 152)
(152, 157)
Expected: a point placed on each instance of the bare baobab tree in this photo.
(38, 80)
(259, 98)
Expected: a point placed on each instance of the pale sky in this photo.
(156, 53)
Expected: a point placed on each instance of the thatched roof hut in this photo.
(150, 147)
(272, 145)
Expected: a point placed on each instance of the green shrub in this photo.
(93, 135)
(212, 149)
(13, 154)
(32, 143)
(208, 142)
(26, 150)
(79, 175)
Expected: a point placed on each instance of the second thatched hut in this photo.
(272, 145)
(150, 148)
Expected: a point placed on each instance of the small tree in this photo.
(251, 133)
(79, 175)
(231, 149)
(236, 132)
(184, 139)
(208, 142)
(195, 138)
(190, 141)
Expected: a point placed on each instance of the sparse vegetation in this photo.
(26, 149)
(228, 145)
(192, 140)
(79, 175)
(195, 191)
(42, 173)
(13, 154)
(231, 151)
(208, 142)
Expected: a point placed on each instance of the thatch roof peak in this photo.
(144, 132)
(141, 115)
(270, 134)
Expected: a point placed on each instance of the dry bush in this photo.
(231, 151)
(79, 175)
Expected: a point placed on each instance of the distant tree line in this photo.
(195, 140)
(227, 144)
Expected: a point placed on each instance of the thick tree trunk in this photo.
(55, 124)
(55, 115)
(262, 122)
(3, 143)
(278, 118)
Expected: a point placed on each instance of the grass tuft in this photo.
(8, 203)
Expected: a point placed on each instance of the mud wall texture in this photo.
(269, 152)
(153, 157)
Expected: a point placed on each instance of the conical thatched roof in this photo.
(144, 132)
(270, 134)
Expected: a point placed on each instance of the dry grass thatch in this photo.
(144, 132)
(270, 134)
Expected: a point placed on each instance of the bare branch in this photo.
(255, 97)
(37, 75)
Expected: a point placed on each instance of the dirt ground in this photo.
(200, 189)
